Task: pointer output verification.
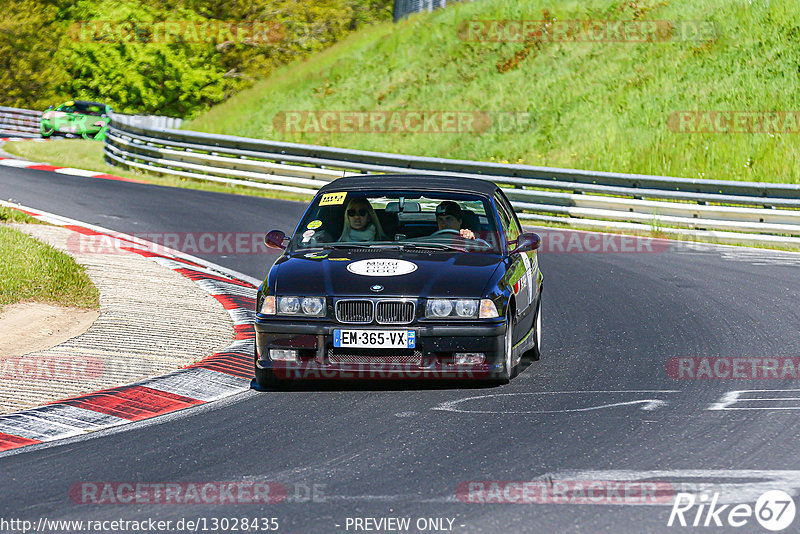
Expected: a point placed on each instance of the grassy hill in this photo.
(602, 105)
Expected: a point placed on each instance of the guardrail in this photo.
(19, 122)
(729, 211)
(153, 121)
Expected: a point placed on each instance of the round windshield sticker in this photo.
(382, 267)
(313, 225)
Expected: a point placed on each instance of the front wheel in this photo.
(47, 132)
(509, 367)
(536, 351)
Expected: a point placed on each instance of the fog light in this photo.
(283, 355)
(469, 358)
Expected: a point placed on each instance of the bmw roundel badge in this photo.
(377, 288)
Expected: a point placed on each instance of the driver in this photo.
(448, 217)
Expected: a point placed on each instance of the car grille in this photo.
(352, 358)
(394, 311)
(354, 311)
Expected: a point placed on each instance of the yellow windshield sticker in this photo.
(69, 103)
(331, 199)
(313, 225)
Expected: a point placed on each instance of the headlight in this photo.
(303, 306)
(313, 306)
(461, 309)
(288, 305)
(438, 308)
(466, 308)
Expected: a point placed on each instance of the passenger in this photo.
(448, 217)
(361, 223)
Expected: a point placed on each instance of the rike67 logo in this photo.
(774, 510)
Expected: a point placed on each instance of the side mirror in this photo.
(51, 106)
(275, 239)
(527, 242)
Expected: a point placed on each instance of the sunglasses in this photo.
(361, 212)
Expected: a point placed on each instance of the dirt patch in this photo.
(33, 326)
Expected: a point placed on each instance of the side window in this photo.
(510, 225)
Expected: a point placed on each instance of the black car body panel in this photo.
(326, 274)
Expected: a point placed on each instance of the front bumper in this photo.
(432, 357)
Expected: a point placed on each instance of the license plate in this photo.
(374, 339)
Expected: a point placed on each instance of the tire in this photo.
(536, 351)
(47, 133)
(509, 368)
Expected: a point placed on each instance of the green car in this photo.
(77, 117)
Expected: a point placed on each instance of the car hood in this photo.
(437, 274)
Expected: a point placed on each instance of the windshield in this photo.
(399, 219)
(84, 108)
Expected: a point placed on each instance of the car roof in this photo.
(417, 182)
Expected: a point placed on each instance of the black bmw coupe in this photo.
(400, 276)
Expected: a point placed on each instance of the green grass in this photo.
(601, 106)
(16, 216)
(33, 271)
(83, 154)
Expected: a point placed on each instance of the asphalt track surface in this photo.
(598, 406)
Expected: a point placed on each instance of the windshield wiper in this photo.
(431, 246)
(362, 245)
(389, 246)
